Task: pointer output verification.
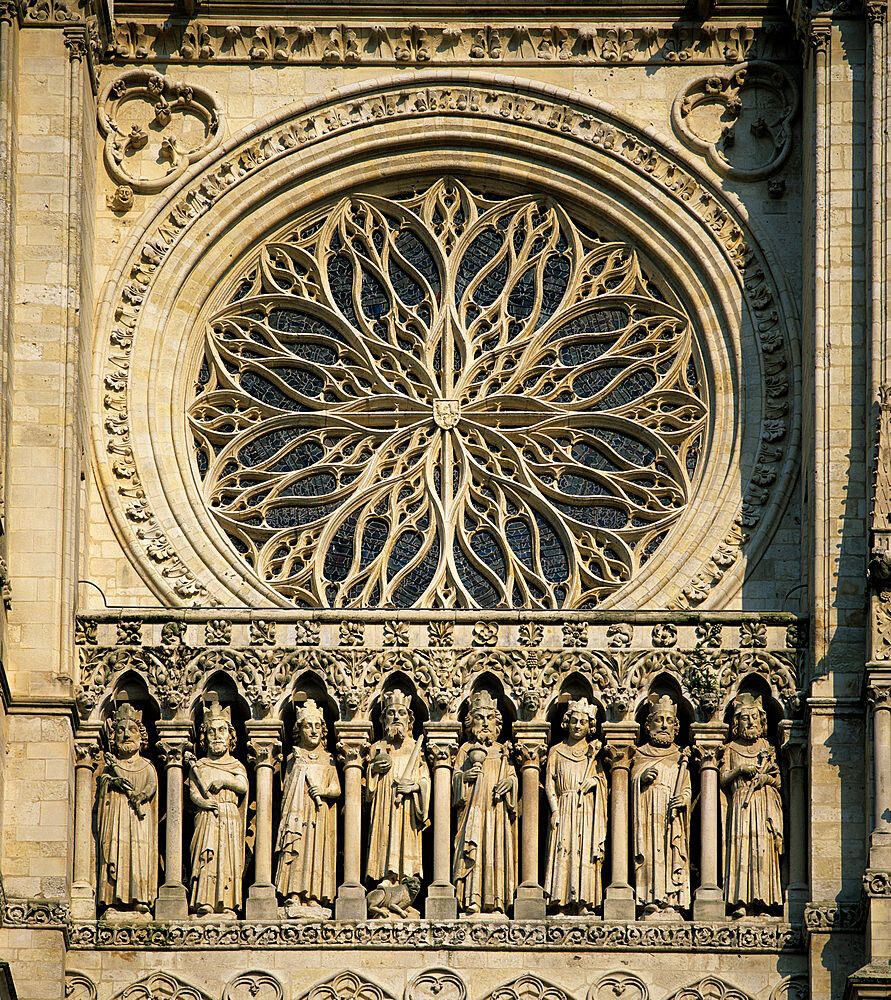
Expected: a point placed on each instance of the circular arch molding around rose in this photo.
(695, 279)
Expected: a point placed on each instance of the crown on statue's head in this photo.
(214, 710)
(395, 699)
(124, 710)
(583, 707)
(662, 703)
(482, 699)
(308, 711)
(747, 700)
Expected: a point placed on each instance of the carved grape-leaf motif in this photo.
(447, 401)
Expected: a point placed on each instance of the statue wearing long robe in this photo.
(578, 826)
(218, 841)
(753, 825)
(307, 834)
(127, 825)
(396, 821)
(660, 833)
(485, 858)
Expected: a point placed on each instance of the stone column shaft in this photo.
(174, 740)
(264, 752)
(708, 740)
(83, 893)
(442, 748)
(352, 748)
(794, 747)
(532, 751)
(620, 737)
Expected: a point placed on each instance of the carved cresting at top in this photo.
(447, 401)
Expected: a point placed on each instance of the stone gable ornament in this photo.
(397, 786)
(218, 790)
(127, 819)
(307, 834)
(660, 820)
(753, 817)
(484, 792)
(576, 790)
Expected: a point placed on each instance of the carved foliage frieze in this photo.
(741, 121)
(154, 128)
(588, 126)
(205, 40)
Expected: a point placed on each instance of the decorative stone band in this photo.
(877, 883)
(834, 918)
(564, 934)
(35, 913)
(590, 124)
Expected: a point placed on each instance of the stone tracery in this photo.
(446, 401)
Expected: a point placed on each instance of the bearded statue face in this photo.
(219, 737)
(662, 727)
(485, 725)
(126, 738)
(396, 723)
(749, 724)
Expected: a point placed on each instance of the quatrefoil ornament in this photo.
(741, 122)
(155, 128)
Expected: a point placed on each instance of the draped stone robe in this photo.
(578, 830)
(753, 827)
(661, 838)
(485, 859)
(218, 844)
(127, 844)
(395, 825)
(307, 834)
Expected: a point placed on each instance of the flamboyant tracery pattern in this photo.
(447, 401)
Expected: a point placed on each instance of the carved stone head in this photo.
(662, 721)
(309, 725)
(397, 718)
(217, 731)
(126, 733)
(579, 719)
(484, 719)
(749, 718)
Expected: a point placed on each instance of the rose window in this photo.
(447, 401)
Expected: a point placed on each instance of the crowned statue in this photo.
(576, 790)
(127, 820)
(484, 791)
(307, 834)
(397, 786)
(218, 789)
(753, 823)
(660, 815)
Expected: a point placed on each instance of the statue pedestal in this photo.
(442, 903)
(350, 902)
(83, 901)
(619, 903)
(530, 902)
(708, 904)
(261, 903)
(171, 903)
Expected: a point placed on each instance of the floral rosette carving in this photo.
(445, 401)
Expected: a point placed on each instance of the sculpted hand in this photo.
(214, 786)
(588, 785)
(502, 788)
(649, 776)
(676, 802)
(380, 765)
(407, 787)
(473, 773)
(315, 795)
(745, 772)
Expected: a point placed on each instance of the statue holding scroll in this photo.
(484, 790)
(307, 834)
(660, 821)
(397, 784)
(218, 789)
(753, 826)
(127, 820)
(576, 789)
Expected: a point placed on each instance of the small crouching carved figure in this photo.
(127, 820)
(395, 899)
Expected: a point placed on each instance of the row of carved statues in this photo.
(485, 799)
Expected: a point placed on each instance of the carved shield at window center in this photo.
(446, 413)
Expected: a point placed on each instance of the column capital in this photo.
(75, 40)
(442, 742)
(353, 742)
(708, 743)
(793, 742)
(879, 696)
(531, 743)
(264, 745)
(87, 751)
(619, 736)
(876, 11)
(174, 738)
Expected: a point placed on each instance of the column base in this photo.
(172, 903)
(619, 903)
(530, 902)
(793, 908)
(708, 904)
(83, 901)
(442, 904)
(350, 902)
(261, 903)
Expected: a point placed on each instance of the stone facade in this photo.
(502, 396)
